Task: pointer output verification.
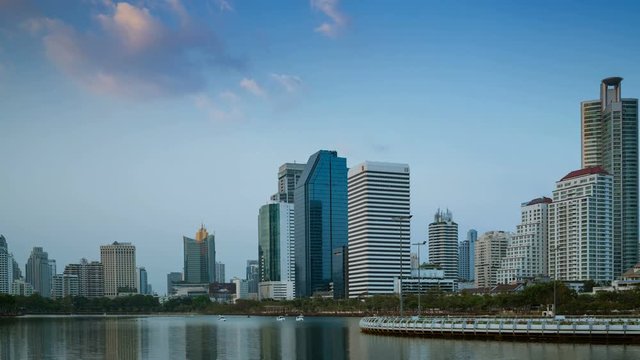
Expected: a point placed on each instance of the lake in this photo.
(205, 337)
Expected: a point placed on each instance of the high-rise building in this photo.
(90, 278)
(320, 222)
(63, 285)
(38, 272)
(219, 273)
(17, 274)
(21, 288)
(443, 243)
(610, 140)
(199, 258)
(6, 267)
(472, 237)
(581, 227)
(526, 256)
(252, 276)
(491, 247)
(463, 261)
(173, 278)
(119, 266)
(288, 176)
(141, 278)
(379, 193)
(276, 257)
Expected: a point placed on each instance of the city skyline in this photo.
(83, 159)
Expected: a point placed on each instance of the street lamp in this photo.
(400, 219)
(419, 244)
(555, 276)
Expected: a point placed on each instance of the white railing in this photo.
(503, 326)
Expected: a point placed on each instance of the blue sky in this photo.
(135, 121)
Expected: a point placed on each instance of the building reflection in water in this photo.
(200, 341)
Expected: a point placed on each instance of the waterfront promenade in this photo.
(588, 330)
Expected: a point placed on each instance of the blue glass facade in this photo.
(320, 222)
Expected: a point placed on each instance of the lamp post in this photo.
(555, 277)
(419, 244)
(400, 219)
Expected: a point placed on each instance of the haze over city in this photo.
(136, 122)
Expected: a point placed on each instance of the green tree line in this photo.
(530, 301)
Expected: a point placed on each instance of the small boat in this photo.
(280, 318)
(300, 318)
(221, 318)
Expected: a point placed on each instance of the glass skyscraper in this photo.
(276, 242)
(199, 258)
(320, 223)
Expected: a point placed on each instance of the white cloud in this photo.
(223, 108)
(330, 9)
(290, 83)
(224, 5)
(132, 52)
(252, 86)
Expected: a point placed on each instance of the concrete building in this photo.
(21, 288)
(610, 140)
(38, 272)
(491, 247)
(90, 278)
(199, 257)
(219, 274)
(288, 176)
(64, 285)
(172, 279)
(6, 267)
(119, 266)
(526, 256)
(378, 192)
(276, 290)
(463, 261)
(424, 281)
(320, 222)
(443, 243)
(242, 288)
(581, 227)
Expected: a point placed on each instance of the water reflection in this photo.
(204, 337)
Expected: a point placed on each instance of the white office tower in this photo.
(526, 256)
(119, 266)
(6, 267)
(581, 227)
(443, 244)
(379, 198)
(491, 247)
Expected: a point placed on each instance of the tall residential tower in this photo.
(610, 140)
(443, 243)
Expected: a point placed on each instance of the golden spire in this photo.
(202, 233)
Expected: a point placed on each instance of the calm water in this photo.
(204, 337)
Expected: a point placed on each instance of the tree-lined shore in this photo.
(529, 302)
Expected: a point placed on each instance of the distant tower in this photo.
(610, 140)
(6, 267)
(38, 272)
(491, 247)
(119, 265)
(580, 227)
(288, 176)
(526, 255)
(199, 257)
(378, 192)
(443, 243)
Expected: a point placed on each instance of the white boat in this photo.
(221, 318)
(280, 318)
(300, 318)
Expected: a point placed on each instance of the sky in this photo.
(138, 121)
